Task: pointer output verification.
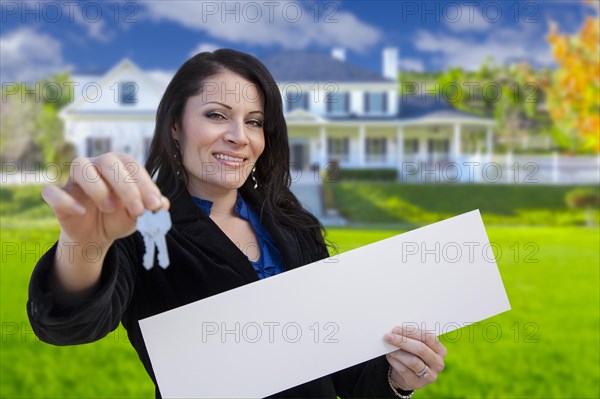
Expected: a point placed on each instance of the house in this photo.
(335, 111)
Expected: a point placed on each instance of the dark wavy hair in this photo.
(272, 167)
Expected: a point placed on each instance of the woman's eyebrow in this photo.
(256, 112)
(216, 102)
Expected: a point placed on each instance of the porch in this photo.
(391, 145)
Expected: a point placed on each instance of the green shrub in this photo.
(18, 199)
(583, 198)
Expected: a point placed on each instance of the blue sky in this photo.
(40, 38)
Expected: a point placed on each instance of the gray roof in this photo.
(301, 66)
(424, 106)
(415, 106)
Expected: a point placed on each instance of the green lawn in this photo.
(548, 346)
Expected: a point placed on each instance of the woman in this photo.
(221, 160)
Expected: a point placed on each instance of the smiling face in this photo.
(221, 134)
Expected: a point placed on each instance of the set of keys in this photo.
(154, 227)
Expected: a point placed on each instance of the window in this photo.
(338, 102)
(338, 149)
(376, 149)
(375, 103)
(128, 92)
(411, 146)
(97, 146)
(296, 100)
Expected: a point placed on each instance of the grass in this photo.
(412, 204)
(549, 347)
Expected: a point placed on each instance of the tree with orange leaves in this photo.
(574, 92)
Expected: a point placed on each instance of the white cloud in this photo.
(506, 45)
(411, 64)
(287, 24)
(202, 47)
(463, 19)
(27, 56)
(91, 21)
(90, 16)
(161, 76)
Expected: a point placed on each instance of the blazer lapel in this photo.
(200, 229)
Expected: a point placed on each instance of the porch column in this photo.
(489, 143)
(322, 147)
(456, 142)
(399, 147)
(361, 145)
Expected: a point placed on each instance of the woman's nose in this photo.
(236, 133)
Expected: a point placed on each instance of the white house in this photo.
(335, 111)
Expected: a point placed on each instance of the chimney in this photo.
(390, 63)
(338, 53)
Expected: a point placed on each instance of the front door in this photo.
(438, 150)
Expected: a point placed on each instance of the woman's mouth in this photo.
(229, 159)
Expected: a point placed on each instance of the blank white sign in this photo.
(328, 315)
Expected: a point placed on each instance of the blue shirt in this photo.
(269, 263)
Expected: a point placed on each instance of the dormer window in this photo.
(375, 102)
(338, 102)
(296, 100)
(128, 92)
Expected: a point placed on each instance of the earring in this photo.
(254, 178)
(175, 156)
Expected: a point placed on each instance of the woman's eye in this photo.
(215, 115)
(255, 122)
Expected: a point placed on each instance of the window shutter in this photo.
(385, 101)
(347, 101)
(89, 143)
(366, 99)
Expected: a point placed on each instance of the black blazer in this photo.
(204, 262)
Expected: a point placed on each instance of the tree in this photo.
(30, 129)
(51, 138)
(512, 95)
(574, 92)
(18, 128)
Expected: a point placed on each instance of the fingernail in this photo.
(388, 337)
(397, 330)
(78, 208)
(153, 201)
(136, 207)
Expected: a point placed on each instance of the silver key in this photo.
(154, 227)
(163, 224)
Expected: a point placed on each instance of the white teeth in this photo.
(228, 158)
